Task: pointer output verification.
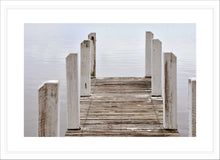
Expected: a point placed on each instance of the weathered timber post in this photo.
(85, 68)
(92, 37)
(192, 106)
(156, 69)
(48, 120)
(148, 53)
(73, 92)
(170, 96)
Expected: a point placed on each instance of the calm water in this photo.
(120, 53)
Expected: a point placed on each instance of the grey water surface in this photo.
(120, 53)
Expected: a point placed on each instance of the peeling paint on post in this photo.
(156, 69)
(92, 37)
(170, 96)
(48, 120)
(148, 53)
(85, 68)
(192, 106)
(73, 92)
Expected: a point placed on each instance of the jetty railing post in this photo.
(92, 37)
(48, 120)
(148, 53)
(170, 95)
(156, 71)
(85, 68)
(192, 106)
(73, 91)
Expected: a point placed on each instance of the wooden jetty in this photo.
(116, 106)
(121, 106)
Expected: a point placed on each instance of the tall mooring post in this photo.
(170, 96)
(48, 120)
(148, 53)
(156, 72)
(92, 37)
(73, 91)
(192, 106)
(85, 68)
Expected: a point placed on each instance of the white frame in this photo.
(14, 14)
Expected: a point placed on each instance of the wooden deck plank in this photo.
(121, 107)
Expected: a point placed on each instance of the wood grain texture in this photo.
(192, 106)
(121, 107)
(92, 37)
(48, 125)
(156, 70)
(170, 96)
(73, 91)
(85, 78)
(148, 53)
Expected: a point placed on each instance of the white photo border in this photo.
(14, 147)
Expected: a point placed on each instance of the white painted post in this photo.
(85, 68)
(156, 69)
(170, 96)
(48, 120)
(148, 53)
(73, 92)
(192, 106)
(92, 37)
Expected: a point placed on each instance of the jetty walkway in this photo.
(121, 106)
(116, 106)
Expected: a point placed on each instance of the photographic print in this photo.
(116, 79)
(110, 79)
